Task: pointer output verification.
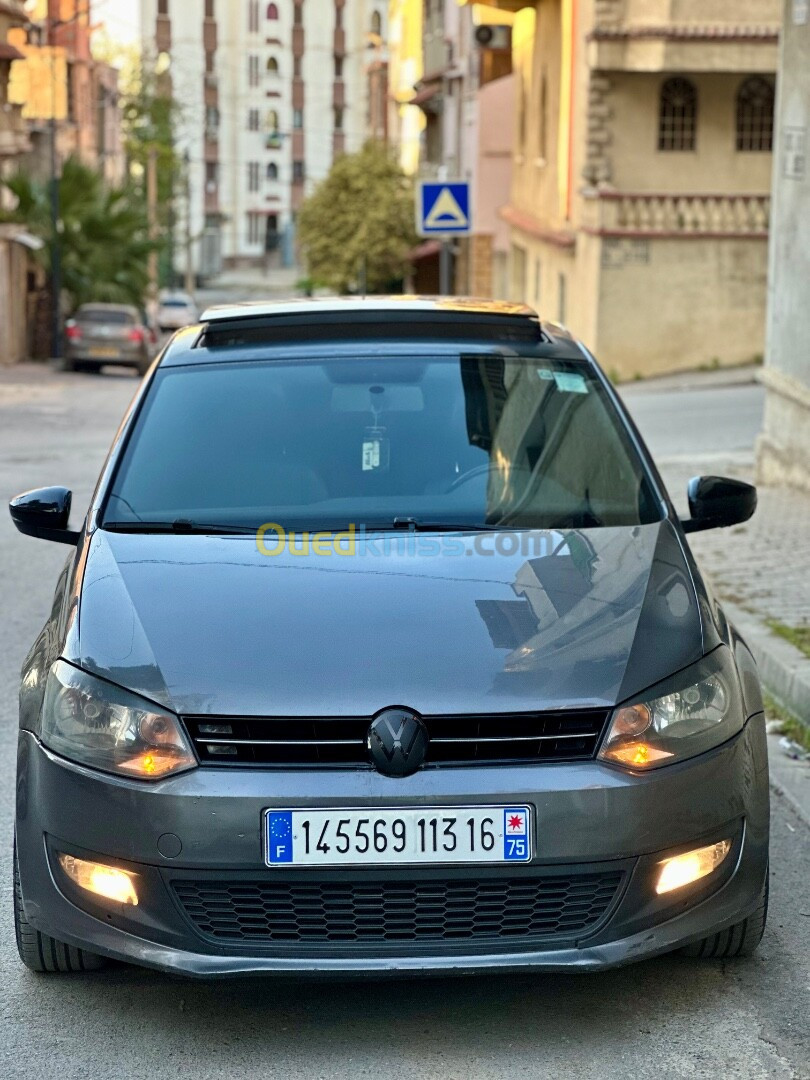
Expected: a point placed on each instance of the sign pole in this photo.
(445, 268)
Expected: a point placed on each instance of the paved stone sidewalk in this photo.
(762, 566)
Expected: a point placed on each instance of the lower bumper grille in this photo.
(441, 910)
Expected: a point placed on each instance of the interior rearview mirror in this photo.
(716, 502)
(44, 513)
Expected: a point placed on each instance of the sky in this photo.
(120, 17)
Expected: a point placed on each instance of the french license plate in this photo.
(104, 354)
(398, 836)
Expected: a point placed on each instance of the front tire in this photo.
(42, 953)
(742, 939)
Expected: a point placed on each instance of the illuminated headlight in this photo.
(697, 710)
(95, 723)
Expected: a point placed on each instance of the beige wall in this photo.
(704, 303)
(714, 166)
(700, 12)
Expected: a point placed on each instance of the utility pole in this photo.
(56, 238)
(152, 210)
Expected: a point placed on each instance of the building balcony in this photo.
(691, 47)
(638, 215)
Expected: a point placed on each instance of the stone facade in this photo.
(637, 176)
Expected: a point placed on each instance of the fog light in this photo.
(691, 866)
(106, 881)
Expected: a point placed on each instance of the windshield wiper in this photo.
(180, 527)
(417, 525)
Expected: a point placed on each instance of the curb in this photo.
(785, 671)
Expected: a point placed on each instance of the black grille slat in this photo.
(394, 911)
(497, 738)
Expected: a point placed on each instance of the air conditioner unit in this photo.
(493, 37)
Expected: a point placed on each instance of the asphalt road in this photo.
(665, 1018)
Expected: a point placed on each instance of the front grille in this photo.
(493, 739)
(443, 910)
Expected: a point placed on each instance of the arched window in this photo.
(272, 65)
(376, 23)
(272, 120)
(755, 103)
(677, 117)
(272, 12)
(272, 171)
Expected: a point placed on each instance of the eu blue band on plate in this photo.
(279, 836)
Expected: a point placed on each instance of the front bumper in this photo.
(591, 818)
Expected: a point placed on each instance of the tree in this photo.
(103, 236)
(149, 119)
(357, 227)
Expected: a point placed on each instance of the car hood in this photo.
(209, 625)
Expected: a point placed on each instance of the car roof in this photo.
(399, 305)
(386, 324)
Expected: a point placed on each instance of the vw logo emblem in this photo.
(397, 742)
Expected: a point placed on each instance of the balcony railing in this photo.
(615, 213)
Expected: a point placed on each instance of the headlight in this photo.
(690, 713)
(98, 724)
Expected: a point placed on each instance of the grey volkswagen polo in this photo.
(382, 649)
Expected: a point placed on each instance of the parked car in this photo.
(100, 334)
(383, 649)
(175, 311)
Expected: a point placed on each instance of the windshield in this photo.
(311, 444)
(105, 316)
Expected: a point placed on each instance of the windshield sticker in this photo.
(570, 383)
(545, 373)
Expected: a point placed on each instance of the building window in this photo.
(253, 70)
(298, 172)
(272, 65)
(253, 120)
(562, 298)
(272, 171)
(338, 67)
(254, 228)
(209, 63)
(755, 106)
(677, 117)
(376, 24)
(272, 121)
(338, 119)
(253, 16)
(272, 12)
(163, 7)
(211, 176)
(209, 9)
(298, 14)
(296, 67)
(338, 16)
(298, 119)
(253, 176)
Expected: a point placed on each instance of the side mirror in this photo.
(44, 513)
(716, 502)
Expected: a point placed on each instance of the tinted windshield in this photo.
(105, 316)
(507, 441)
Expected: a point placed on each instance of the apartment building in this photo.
(269, 94)
(56, 83)
(465, 92)
(640, 199)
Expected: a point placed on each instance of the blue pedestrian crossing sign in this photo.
(443, 208)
